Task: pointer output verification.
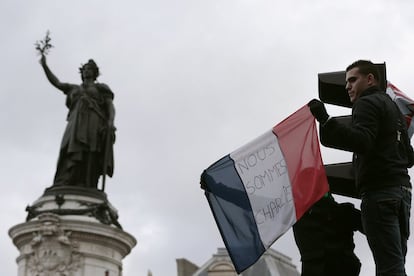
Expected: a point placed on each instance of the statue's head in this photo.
(89, 70)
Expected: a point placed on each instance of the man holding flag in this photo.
(382, 153)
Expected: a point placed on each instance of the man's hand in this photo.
(318, 111)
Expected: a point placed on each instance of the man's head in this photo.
(360, 75)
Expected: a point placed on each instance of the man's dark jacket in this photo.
(379, 140)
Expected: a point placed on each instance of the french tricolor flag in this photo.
(404, 103)
(257, 192)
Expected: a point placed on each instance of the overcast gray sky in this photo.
(193, 81)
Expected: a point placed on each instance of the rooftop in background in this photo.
(272, 263)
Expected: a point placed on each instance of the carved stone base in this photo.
(79, 203)
(64, 236)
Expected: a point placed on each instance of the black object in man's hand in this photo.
(318, 111)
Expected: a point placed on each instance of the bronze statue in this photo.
(86, 151)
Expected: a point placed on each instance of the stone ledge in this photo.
(75, 190)
(78, 206)
(52, 244)
(82, 231)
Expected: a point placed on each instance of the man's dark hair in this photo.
(365, 67)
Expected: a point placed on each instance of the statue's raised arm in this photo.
(52, 78)
(43, 47)
(86, 151)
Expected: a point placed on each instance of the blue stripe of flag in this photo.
(232, 211)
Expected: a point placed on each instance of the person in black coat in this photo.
(324, 236)
(382, 153)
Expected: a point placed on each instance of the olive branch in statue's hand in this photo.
(43, 46)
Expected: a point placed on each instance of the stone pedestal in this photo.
(71, 232)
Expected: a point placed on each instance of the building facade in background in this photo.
(272, 263)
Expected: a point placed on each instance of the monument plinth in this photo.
(73, 232)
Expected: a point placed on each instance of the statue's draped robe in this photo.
(83, 148)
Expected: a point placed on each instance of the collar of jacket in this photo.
(370, 90)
